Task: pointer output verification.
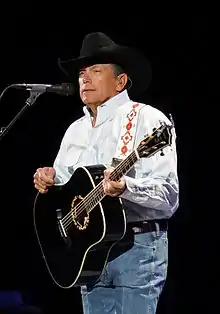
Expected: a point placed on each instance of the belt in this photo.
(148, 226)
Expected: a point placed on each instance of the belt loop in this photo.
(157, 227)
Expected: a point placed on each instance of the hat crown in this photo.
(93, 42)
(98, 48)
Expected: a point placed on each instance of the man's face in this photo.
(98, 83)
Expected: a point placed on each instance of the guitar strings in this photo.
(99, 192)
(81, 207)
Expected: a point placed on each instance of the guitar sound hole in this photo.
(79, 213)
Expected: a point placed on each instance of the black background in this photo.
(31, 43)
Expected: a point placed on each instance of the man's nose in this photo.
(86, 78)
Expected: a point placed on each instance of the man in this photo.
(133, 280)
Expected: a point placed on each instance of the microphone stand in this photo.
(29, 102)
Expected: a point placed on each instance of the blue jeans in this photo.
(132, 282)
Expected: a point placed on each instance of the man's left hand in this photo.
(113, 188)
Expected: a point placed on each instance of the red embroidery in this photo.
(135, 105)
(131, 114)
(124, 150)
(129, 126)
(127, 137)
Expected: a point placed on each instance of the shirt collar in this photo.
(108, 108)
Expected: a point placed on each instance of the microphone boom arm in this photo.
(29, 102)
(35, 91)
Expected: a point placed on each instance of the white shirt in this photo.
(152, 187)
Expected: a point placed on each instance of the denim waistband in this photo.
(148, 226)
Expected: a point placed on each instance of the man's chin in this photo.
(91, 102)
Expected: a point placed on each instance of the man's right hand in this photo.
(44, 178)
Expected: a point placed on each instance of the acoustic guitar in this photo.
(77, 225)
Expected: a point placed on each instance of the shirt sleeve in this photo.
(62, 173)
(155, 184)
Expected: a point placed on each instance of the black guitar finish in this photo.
(73, 256)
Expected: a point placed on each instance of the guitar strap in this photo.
(127, 134)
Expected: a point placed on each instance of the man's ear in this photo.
(122, 80)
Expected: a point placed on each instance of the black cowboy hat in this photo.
(99, 48)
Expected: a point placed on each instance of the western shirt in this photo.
(152, 188)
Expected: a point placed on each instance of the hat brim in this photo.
(133, 62)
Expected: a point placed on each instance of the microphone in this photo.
(62, 89)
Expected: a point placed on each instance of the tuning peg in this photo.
(162, 153)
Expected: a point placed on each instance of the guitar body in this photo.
(76, 251)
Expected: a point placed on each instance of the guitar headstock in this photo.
(159, 139)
